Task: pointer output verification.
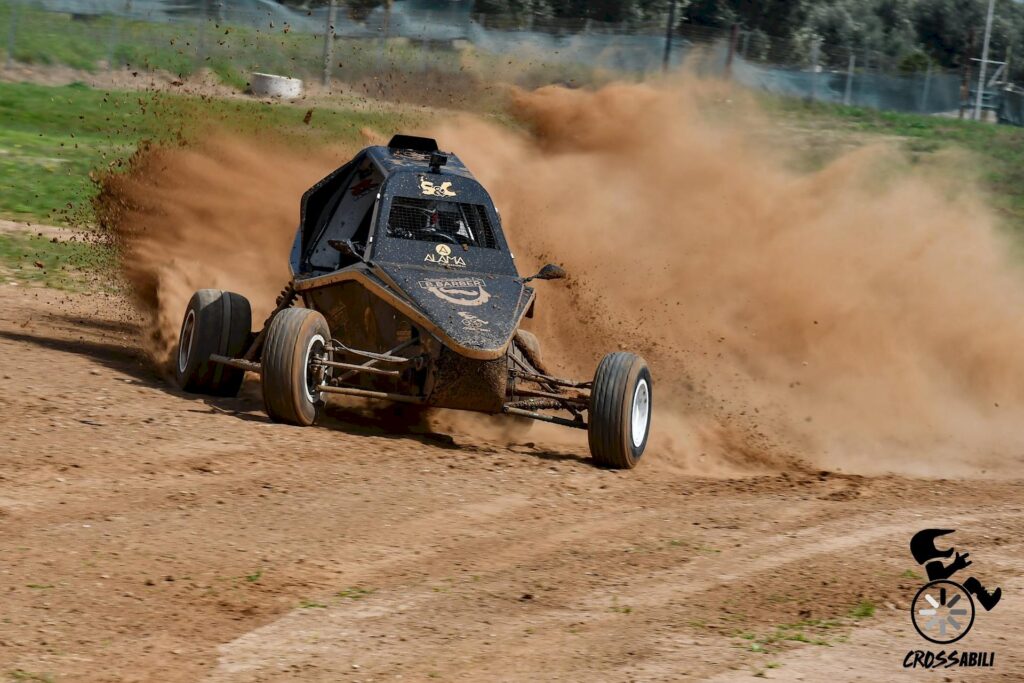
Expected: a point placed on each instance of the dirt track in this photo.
(151, 535)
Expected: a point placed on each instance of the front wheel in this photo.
(297, 338)
(620, 411)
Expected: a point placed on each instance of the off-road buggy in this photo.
(409, 293)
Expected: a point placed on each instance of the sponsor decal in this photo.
(430, 189)
(943, 610)
(443, 257)
(366, 184)
(473, 323)
(364, 187)
(468, 291)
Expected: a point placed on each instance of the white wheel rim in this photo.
(188, 333)
(312, 394)
(641, 411)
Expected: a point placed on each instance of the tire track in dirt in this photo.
(175, 539)
(656, 595)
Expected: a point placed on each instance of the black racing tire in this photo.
(215, 322)
(295, 334)
(620, 411)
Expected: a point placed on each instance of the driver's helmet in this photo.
(435, 220)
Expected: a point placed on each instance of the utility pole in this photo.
(668, 35)
(984, 59)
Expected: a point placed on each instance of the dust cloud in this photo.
(862, 317)
(220, 214)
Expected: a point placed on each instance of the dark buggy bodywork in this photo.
(409, 293)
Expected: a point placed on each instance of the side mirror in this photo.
(346, 248)
(549, 272)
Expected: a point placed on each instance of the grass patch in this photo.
(864, 610)
(38, 261)
(311, 604)
(910, 574)
(22, 675)
(355, 593)
(804, 631)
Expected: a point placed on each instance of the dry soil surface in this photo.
(151, 535)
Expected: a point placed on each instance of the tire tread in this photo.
(610, 416)
(289, 329)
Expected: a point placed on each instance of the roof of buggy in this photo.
(403, 154)
(409, 153)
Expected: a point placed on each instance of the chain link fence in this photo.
(415, 44)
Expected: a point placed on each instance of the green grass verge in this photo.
(51, 138)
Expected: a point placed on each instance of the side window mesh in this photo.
(430, 220)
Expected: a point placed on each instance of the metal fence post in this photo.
(329, 42)
(12, 36)
(927, 87)
(424, 42)
(669, 29)
(112, 39)
(849, 79)
(815, 54)
(204, 16)
(385, 30)
(734, 34)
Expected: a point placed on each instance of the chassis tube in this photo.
(366, 393)
(545, 418)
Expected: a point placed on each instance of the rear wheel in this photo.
(620, 411)
(296, 338)
(215, 322)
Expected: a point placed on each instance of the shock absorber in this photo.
(284, 300)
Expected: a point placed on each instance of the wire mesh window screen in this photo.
(432, 220)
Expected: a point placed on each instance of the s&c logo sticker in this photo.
(430, 189)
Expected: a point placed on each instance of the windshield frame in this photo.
(441, 254)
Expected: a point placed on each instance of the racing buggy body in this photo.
(409, 293)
